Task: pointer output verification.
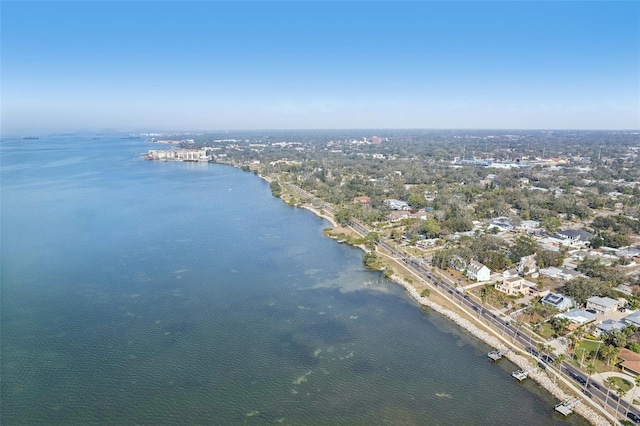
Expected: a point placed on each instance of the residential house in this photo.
(397, 204)
(623, 288)
(558, 301)
(574, 237)
(549, 243)
(428, 242)
(513, 286)
(535, 291)
(501, 223)
(607, 326)
(362, 199)
(528, 225)
(397, 216)
(630, 361)
(629, 252)
(602, 305)
(561, 273)
(477, 271)
(577, 316)
(633, 319)
(528, 266)
(509, 273)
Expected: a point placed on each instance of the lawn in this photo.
(588, 346)
(621, 383)
(582, 352)
(545, 330)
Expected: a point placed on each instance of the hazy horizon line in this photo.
(293, 129)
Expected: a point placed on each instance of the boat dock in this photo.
(566, 407)
(496, 355)
(521, 374)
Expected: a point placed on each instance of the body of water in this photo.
(138, 292)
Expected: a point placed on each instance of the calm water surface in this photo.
(139, 292)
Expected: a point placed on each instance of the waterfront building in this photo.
(633, 319)
(513, 286)
(607, 326)
(558, 301)
(477, 271)
(577, 316)
(201, 154)
(602, 305)
(630, 361)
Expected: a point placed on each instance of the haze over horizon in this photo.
(319, 65)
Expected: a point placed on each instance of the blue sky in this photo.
(277, 65)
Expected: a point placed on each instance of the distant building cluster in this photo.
(202, 154)
(523, 163)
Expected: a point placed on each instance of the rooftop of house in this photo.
(631, 360)
(555, 299)
(476, 266)
(578, 315)
(602, 301)
(634, 317)
(610, 325)
(576, 234)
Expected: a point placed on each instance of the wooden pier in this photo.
(566, 407)
(496, 355)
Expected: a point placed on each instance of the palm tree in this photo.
(549, 349)
(591, 370)
(557, 362)
(608, 353)
(609, 383)
(559, 324)
(595, 356)
(621, 393)
(542, 347)
(614, 355)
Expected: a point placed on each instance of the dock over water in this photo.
(496, 355)
(521, 374)
(566, 407)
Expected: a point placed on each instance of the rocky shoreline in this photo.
(523, 362)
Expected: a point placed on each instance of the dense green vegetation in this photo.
(581, 180)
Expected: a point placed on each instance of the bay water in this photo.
(138, 292)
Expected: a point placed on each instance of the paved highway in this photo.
(508, 329)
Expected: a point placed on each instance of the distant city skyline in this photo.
(319, 65)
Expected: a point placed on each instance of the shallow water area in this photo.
(183, 293)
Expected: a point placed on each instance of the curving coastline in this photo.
(523, 362)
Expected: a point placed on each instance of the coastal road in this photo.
(508, 329)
